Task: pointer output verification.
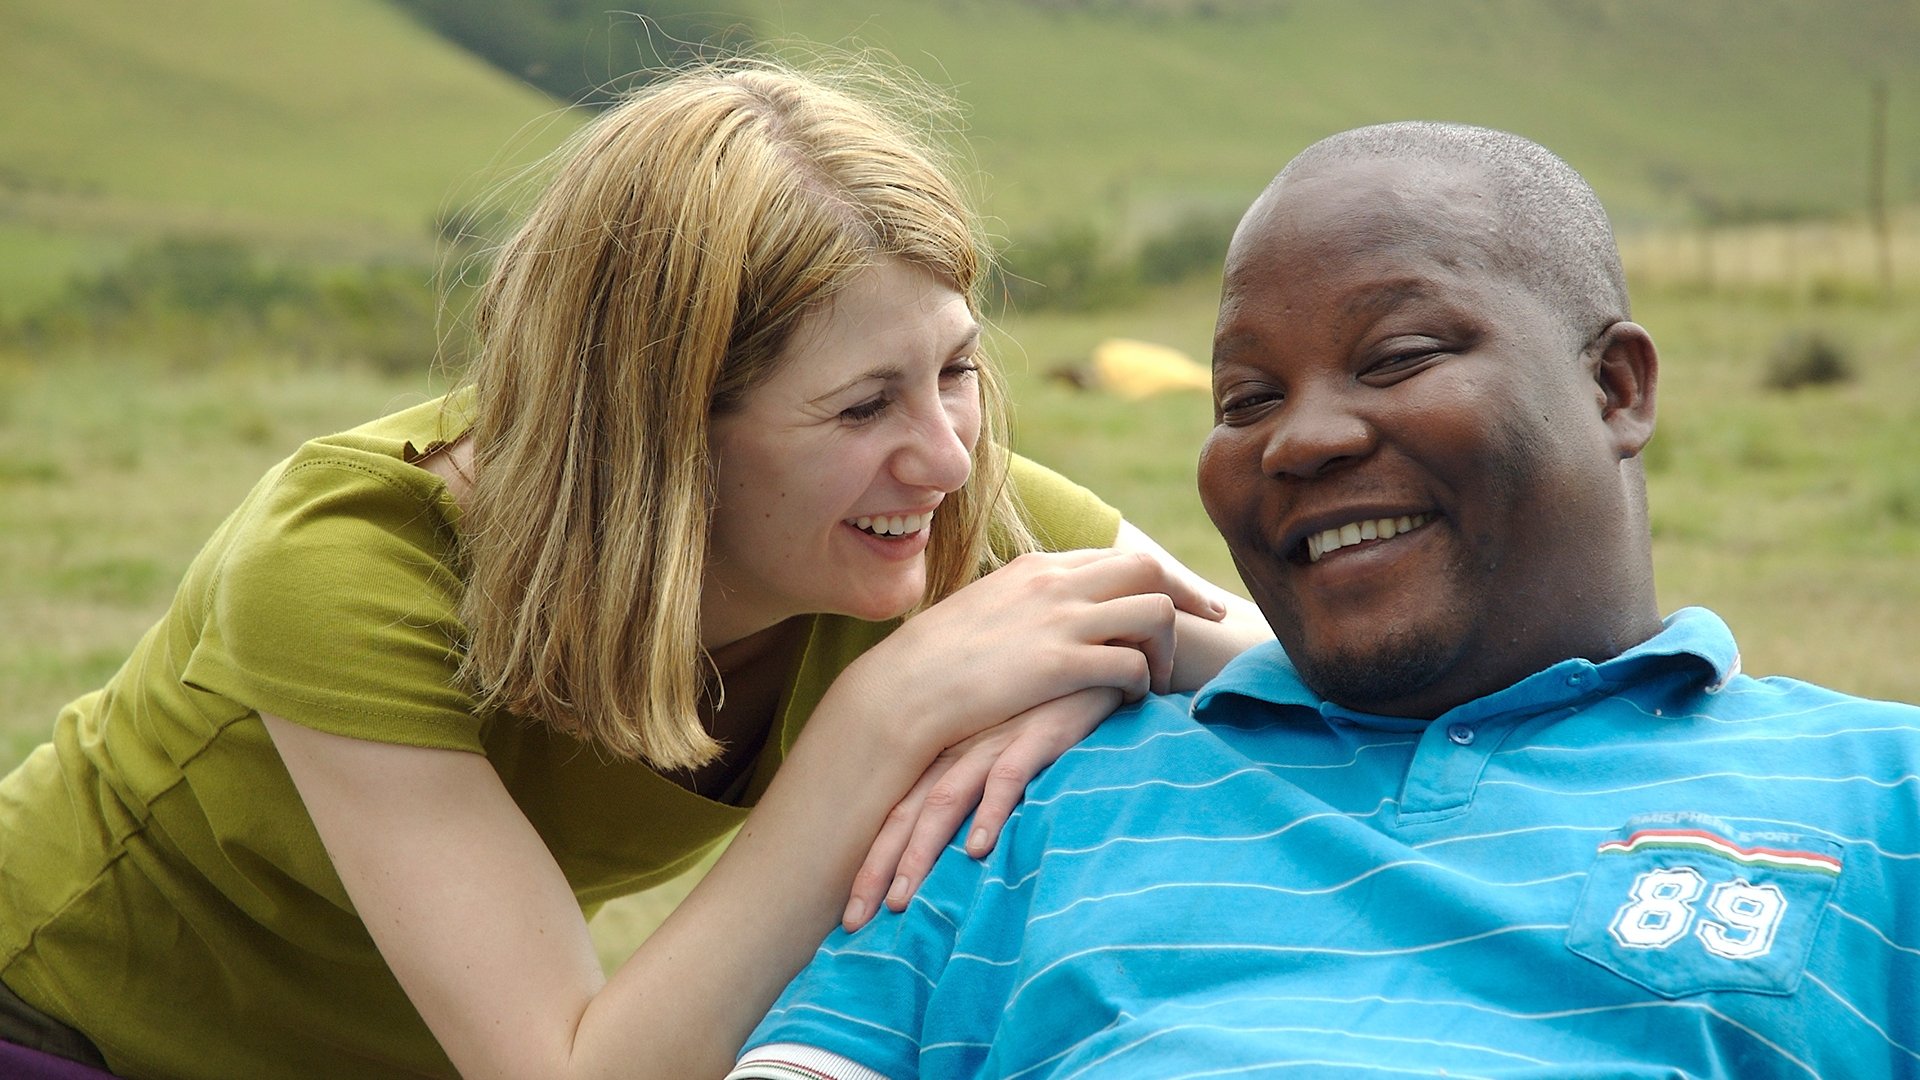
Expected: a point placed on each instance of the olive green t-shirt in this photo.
(161, 886)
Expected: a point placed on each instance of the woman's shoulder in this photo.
(1061, 514)
(331, 595)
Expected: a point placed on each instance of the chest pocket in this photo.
(1689, 906)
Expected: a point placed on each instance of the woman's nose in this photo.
(938, 452)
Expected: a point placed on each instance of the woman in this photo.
(445, 681)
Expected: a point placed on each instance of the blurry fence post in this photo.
(1877, 186)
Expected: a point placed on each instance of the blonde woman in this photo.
(444, 683)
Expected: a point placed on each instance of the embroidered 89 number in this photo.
(1744, 919)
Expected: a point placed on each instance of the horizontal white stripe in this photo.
(1083, 750)
(1762, 778)
(1278, 1029)
(1148, 841)
(1850, 1007)
(1690, 1004)
(1325, 890)
(1717, 741)
(803, 1006)
(1288, 950)
(1874, 930)
(882, 957)
(1140, 785)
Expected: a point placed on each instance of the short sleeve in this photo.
(1062, 515)
(866, 996)
(335, 604)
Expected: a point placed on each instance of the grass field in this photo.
(1795, 515)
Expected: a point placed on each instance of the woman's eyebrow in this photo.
(967, 340)
(881, 374)
(890, 372)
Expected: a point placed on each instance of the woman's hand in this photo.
(1206, 642)
(993, 766)
(1044, 626)
(991, 769)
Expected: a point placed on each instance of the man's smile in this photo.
(1320, 544)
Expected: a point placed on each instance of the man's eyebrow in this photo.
(1386, 295)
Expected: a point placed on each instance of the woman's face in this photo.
(830, 471)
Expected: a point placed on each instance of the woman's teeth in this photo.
(893, 524)
(1358, 532)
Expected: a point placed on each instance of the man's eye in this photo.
(1240, 405)
(866, 410)
(1400, 364)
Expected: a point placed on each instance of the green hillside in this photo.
(345, 128)
(1736, 107)
(333, 127)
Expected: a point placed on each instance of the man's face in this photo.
(1410, 458)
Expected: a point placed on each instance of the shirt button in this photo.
(1461, 735)
(1577, 679)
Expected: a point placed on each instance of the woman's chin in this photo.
(884, 607)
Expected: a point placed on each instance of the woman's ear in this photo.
(1625, 370)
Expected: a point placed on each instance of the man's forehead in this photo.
(1402, 211)
(1414, 196)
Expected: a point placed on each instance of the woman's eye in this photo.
(866, 410)
(959, 371)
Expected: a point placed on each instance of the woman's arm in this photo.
(476, 920)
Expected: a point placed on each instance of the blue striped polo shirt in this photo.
(1651, 866)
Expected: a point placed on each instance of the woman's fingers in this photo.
(1048, 731)
(876, 873)
(949, 800)
(986, 776)
(1219, 602)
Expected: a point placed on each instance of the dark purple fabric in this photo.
(22, 1063)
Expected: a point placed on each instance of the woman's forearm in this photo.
(688, 997)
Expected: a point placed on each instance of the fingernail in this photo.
(977, 842)
(855, 914)
(897, 892)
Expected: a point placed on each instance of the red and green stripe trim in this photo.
(1700, 840)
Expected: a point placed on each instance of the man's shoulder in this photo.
(1165, 734)
(1787, 698)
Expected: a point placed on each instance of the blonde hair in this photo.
(688, 232)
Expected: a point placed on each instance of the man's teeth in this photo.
(1355, 532)
(893, 524)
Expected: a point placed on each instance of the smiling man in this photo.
(1488, 813)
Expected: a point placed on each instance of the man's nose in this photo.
(1313, 434)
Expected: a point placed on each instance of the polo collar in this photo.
(1691, 637)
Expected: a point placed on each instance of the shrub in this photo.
(1193, 246)
(1068, 267)
(199, 300)
(1806, 358)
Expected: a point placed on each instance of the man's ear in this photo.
(1625, 371)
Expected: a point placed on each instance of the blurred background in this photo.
(228, 226)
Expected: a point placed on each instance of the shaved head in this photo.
(1555, 237)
